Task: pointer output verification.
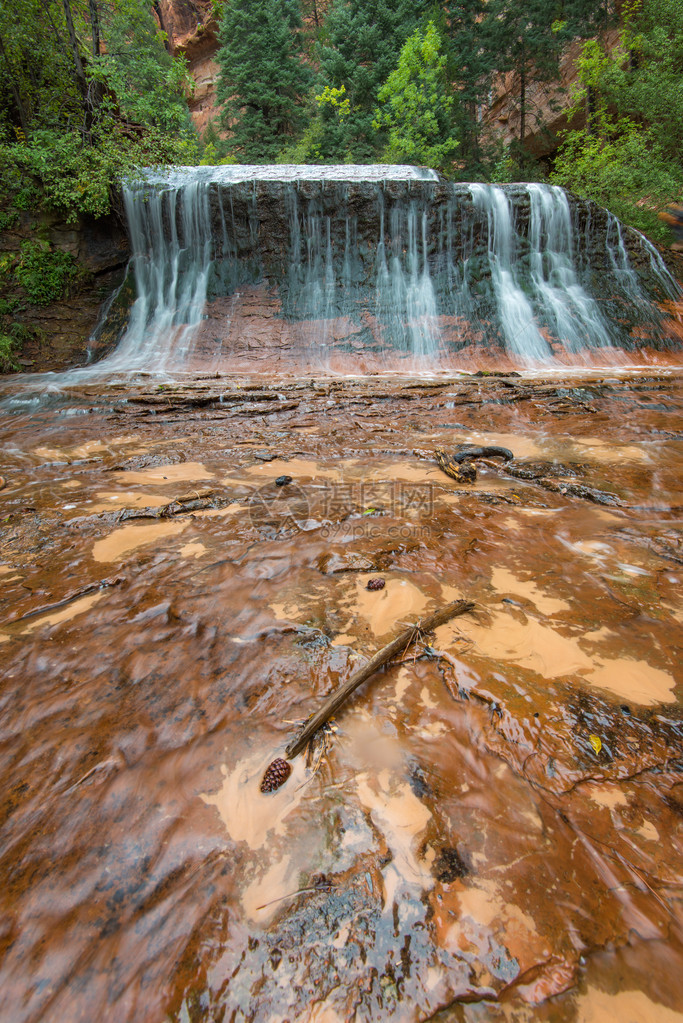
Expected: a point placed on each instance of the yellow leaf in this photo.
(595, 742)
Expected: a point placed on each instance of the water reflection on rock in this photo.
(464, 849)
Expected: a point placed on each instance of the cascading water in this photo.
(522, 336)
(243, 262)
(170, 275)
(572, 314)
(405, 300)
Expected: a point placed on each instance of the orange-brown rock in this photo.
(547, 104)
(192, 30)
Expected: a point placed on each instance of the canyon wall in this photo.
(546, 104)
(55, 336)
(191, 29)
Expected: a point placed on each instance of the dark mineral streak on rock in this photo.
(449, 865)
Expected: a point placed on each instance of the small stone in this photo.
(376, 583)
(282, 481)
(276, 775)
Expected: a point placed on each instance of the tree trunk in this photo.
(23, 120)
(95, 27)
(79, 73)
(157, 10)
(522, 105)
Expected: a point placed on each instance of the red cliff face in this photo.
(191, 29)
(547, 104)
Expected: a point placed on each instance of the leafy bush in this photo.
(627, 155)
(75, 119)
(8, 219)
(55, 170)
(416, 104)
(8, 305)
(44, 275)
(623, 170)
(7, 350)
(11, 343)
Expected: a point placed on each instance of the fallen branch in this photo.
(387, 653)
(103, 584)
(564, 486)
(198, 499)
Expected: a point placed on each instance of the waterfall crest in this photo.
(381, 259)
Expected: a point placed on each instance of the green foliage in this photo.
(136, 74)
(8, 305)
(470, 67)
(8, 346)
(262, 80)
(8, 219)
(87, 93)
(56, 170)
(504, 169)
(7, 262)
(43, 274)
(627, 154)
(649, 83)
(12, 340)
(215, 149)
(309, 147)
(417, 104)
(358, 52)
(620, 168)
(335, 99)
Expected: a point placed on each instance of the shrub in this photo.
(7, 350)
(44, 275)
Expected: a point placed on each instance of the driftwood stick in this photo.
(397, 646)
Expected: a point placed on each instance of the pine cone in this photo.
(276, 775)
(375, 584)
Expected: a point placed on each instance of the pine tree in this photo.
(471, 62)
(262, 78)
(363, 40)
(528, 37)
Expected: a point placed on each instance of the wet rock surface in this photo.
(491, 829)
(56, 336)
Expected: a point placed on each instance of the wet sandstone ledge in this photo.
(492, 833)
(74, 332)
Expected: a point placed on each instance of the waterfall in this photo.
(515, 311)
(405, 302)
(170, 234)
(564, 304)
(382, 259)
